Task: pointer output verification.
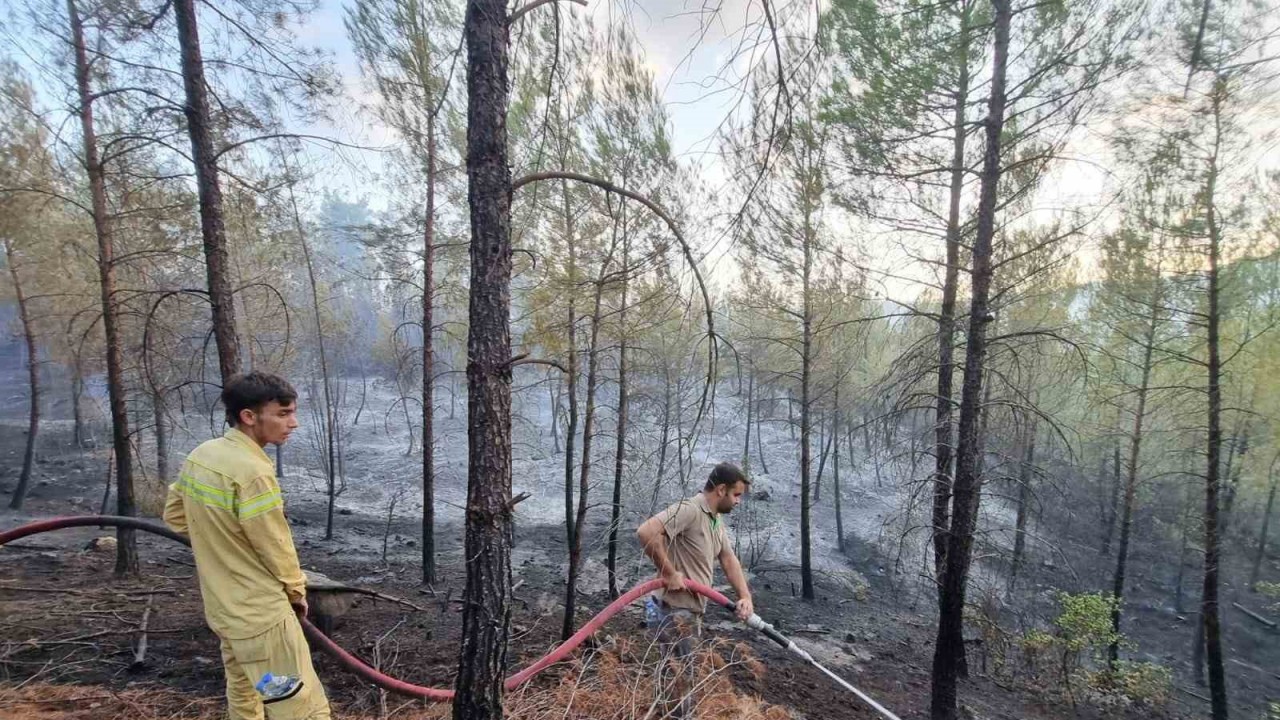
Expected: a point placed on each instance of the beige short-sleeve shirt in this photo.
(695, 536)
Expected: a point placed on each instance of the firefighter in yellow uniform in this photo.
(228, 502)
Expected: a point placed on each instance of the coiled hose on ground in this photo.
(348, 661)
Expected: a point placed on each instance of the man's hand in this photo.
(299, 607)
(745, 608)
(675, 581)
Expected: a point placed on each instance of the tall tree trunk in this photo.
(791, 419)
(571, 427)
(33, 381)
(806, 368)
(1131, 478)
(1182, 553)
(1209, 599)
(835, 472)
(555, 391)
(330, 412)
(943, 448)
(620, 445)
(588, 421)
(126, 543)
(1262, 535)
(77, 393)
(429, 364)
(162, 437)
(486, 611)
(1233, 481)
(824, 441)
(949, 650)
(1114, 511)
(746, 436)
(666, 432)
(212, 229)
(1024, 499)
(764, 467)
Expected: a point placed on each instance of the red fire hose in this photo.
(346, 659)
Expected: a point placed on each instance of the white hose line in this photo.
(757, 623)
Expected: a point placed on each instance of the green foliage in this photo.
(1271, 590)
(1085, 621)
(1072, 656)
(1130, 683)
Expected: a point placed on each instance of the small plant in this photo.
(1085, 621)
(1133, 683)
(1272, 591)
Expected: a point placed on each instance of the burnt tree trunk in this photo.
(1182, 554)
(1209, 599)
(571, 425)
(162, 437)
(33, 381)
(764, 467)
(486, 611)
(824, 441)
(806, 409)
(1131, 475)
(429, 365)
(949, 649)
(77, 393)
(1262, 534)
(126, 547)
(943, 448)
(620, 446)
(1236, 469)
(588, 422)
(1024, 500)
(746, 436)
(835, 472)
(330, 412)
(212, 229)
(1113, 511)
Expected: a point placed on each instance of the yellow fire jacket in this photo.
(228, 502)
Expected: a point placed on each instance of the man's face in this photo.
(271, 423)
(728, 497)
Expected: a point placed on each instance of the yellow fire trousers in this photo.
(281, 650)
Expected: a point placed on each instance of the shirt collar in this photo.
(237, 435)
(701, 501)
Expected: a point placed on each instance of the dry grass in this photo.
(614, 683)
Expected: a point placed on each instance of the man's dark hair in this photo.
(726, 473)
(250, 391)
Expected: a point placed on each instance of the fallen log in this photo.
(140, 654)
(1255, 668)
(1269, 623)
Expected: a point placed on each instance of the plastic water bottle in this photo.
(277, 687)
(652, 613)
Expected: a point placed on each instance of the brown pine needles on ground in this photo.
(618, 682)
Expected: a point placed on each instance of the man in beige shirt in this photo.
(683, 541)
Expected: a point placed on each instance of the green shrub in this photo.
(1085, 621)
(1271, 590)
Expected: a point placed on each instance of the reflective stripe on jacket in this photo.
(227, 500)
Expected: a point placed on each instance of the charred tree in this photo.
(944, 403)
(33, 380)
(429, 365)
(126, 545)
(212, 227)
(486, 613)
(948, 658)
(620, 442)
